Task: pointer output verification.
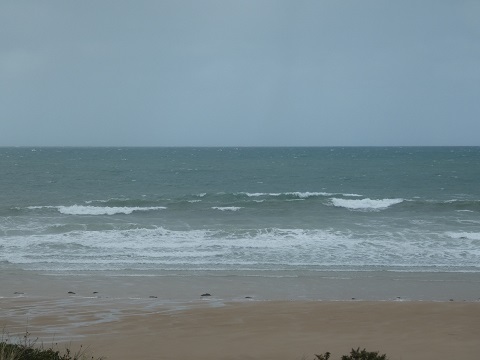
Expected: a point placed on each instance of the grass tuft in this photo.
(28, 349)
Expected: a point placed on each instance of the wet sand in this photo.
(236, 285)
(211, 329)
(405, 315)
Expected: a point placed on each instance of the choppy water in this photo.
(248, 209)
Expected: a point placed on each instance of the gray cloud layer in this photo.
(266, 72)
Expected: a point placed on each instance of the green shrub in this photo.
(27, 349)
(22, 352)
(325, 356)
(356, 355)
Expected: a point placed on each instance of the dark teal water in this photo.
(248, 209)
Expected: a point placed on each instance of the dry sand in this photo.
(210, 329)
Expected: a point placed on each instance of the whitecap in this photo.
(259, 194)
(106, 210)
(227, 208)
(365, 204)
(304, 195)
(298, 194)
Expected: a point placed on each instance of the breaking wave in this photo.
(365, 204)
(268, 248)
(227, 208)
(297, 194)
(97, 210)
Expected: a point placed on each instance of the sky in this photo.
(239, 73)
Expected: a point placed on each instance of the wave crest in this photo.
(103, 210)
(227, 208)
(365, 204)
(296, 194)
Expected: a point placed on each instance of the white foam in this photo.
(304, 195)
(293, 193)
(104, 201)
(103, 210)
(260, 194)
(464, 235)
(365, 204)
(299, 194)
(270, 248)
(227, 208)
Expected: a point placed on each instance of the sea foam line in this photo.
(271, 248)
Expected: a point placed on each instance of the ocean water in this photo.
(251, 210)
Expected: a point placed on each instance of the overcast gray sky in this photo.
(239, 73)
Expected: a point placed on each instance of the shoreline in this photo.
(170, 286)
(414, 316)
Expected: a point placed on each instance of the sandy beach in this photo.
(405, 315)
(212, 329)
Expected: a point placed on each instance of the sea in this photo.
(251, 210)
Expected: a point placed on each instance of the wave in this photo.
(227, 208)
(457, 205)
(219, 200)
(257, 201)
(97, 210)
(297, 194)
(365, 204)
(268, 248)
(126, 202)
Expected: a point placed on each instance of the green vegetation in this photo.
(26, 349)
(356, 355)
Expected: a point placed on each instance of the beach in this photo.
(240, 180)
(242, 253)
(209, 329)
(168, 318)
